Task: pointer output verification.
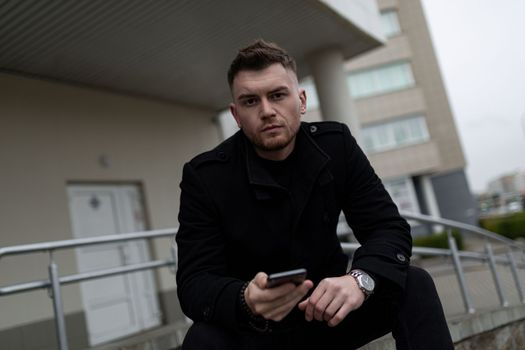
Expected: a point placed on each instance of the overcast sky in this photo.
(480, 46)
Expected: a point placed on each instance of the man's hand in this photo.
(332, 300)
(274, 303)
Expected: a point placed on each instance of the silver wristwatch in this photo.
(364, 281)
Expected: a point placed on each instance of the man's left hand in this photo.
(332, 300)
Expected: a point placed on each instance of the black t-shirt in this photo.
(281, 171)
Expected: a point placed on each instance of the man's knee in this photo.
(420, 288)
(420, 279)
(206, 336)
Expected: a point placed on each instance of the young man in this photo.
(268, 200)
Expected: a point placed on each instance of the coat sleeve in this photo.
(205, 291)
(386, 242)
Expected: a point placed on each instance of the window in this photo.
(394, 134)
(381, 80)
(390, 23)
(403, 194)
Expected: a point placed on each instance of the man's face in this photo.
(267, 106)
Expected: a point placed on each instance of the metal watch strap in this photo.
(356, 274)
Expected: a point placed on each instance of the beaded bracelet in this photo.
(258, 323)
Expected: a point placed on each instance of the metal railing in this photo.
(54, 281)
(486, 256)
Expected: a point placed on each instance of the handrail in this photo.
(461, 226)
(456, 255)
(352, 247)
(80, 242)
(86, 276)
(54, 282)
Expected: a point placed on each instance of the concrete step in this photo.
(168, 337)
(473, 331)
(468, 332)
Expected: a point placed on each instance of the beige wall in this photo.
(51, 134)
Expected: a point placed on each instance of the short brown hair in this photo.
(257, 56)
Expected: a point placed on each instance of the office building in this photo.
(406, 124)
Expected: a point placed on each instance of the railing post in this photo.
(173, 249)
(57, 304)
(492, 263)
(459, 273)
(517, 279)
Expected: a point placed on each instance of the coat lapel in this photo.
(311, 162)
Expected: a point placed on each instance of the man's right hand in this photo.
(274, 303)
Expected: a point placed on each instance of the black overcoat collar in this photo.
(309, 167)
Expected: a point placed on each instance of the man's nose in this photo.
(267, 109)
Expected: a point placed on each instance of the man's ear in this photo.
(302, 98)
(233, 111)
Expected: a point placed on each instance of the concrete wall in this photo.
(53, 134)
(498, 329)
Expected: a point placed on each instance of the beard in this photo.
(271, 143)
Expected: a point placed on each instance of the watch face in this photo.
(367, 282)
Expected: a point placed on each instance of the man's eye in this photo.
(249, 102)
(278, 96)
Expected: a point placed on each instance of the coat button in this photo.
(221, 155)
(313, 128)
(401, 257)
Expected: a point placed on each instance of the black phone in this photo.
(293, 276)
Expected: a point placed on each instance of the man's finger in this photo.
(312, 302)
(340, 315)
(321, 305)
(278, 313)
(302, 304)
(299, 292)
(333, 307)
(277, 309)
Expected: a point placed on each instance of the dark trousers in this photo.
(415, 319)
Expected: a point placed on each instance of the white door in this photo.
(124, 304)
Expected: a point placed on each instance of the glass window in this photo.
(381, 80)
(393, 134)
(366, 83)
(403, 194)
(390, 23)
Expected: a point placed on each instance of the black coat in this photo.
(236, 220)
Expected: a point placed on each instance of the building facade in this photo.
(504, 195)
(406, 125)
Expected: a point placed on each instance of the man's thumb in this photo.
(260, 280)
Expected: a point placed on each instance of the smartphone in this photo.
(293, 276)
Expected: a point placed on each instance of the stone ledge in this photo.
(466, 326)
(471, 325)
(169, 336)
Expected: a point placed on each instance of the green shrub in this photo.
(438, 240)
(511, 226)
